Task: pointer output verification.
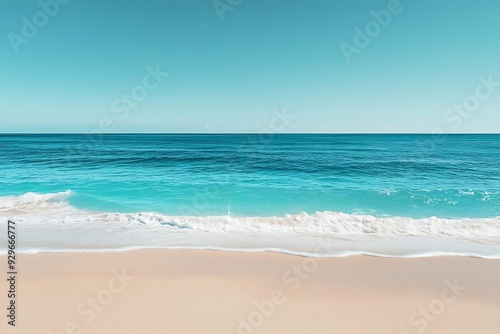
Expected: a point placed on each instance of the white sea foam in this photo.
(30, 202)
(51, 223)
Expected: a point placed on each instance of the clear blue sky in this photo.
(229, 75)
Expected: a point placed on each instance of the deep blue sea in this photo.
(311, 184)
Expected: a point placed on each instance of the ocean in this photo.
(308, 194)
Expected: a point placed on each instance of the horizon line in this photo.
(248, 133)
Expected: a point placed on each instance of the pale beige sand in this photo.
(204, 292)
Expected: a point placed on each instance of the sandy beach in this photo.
(199, 291)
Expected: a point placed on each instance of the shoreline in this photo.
(344, 254)
(206, 291)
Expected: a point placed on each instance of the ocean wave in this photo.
(34, 201)
(55, 208)
(323, 223)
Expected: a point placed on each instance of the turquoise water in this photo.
(260, 175)
(313, 195)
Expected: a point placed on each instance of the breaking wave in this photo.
(54, 212)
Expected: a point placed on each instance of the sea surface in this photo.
(308, 194)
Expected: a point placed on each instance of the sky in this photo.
(250, 66)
